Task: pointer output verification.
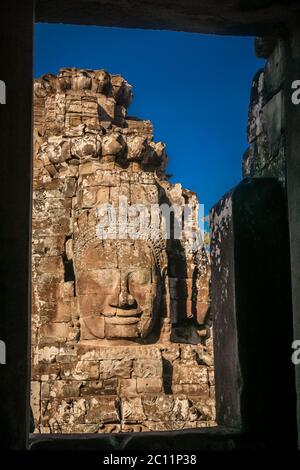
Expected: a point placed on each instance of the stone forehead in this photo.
(125, 244)
(155, 243)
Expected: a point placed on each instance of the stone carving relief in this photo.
(120, 325)
(119, 289)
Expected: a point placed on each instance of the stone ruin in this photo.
(121, 332)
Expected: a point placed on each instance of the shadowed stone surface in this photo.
(251, 292)
(236, 17)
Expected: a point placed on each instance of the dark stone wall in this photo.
(293, 193)
(15, 149)
(274, 144)
(240, 17)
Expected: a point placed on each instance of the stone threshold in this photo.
(218, 437)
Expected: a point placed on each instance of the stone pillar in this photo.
(251, 308)
(228, 391)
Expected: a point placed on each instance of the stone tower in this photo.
(121, 335)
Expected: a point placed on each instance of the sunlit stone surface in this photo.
(121, 334)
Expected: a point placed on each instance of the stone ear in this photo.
(165, 283)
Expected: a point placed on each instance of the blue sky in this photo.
(194, 88)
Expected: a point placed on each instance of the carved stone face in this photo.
(118, 289)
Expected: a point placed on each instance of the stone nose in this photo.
(125, 298)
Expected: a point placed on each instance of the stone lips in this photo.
(97, 365)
